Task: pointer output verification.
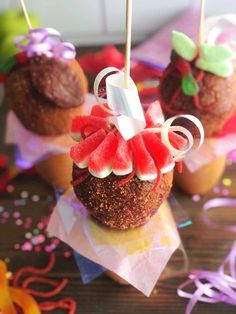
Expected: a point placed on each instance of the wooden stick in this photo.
(201, 23)
(26, 14)
(128, 41)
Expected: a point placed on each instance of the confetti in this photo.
(27, 246)
(24, 194)
(10, 188)
(227, 182)
(28, 235)
(16, 214)
(19, 222)
(35, 198)
(17, 246)
(216, 189)
(40, 225)
(7, 260)
(196, 198)
(6, 215)
(225, 192)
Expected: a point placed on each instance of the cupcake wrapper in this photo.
(138, 255)
(33, 147)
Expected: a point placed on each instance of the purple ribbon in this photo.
(212, 287)
(45, 41)
(218, 202)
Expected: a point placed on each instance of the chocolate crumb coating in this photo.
(212, 89)
(121, 206)
(46, 93)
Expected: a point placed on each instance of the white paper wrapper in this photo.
(211, 148)
(138, 255)
(33, 147)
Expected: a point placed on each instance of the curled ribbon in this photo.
(42, 41)
(212, 287)
(167, 127)
(124, 102)
(219, 202)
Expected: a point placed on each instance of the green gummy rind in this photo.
(223, 69)
(189, 86)
(76, 137)
(216, 53)
(183, 46)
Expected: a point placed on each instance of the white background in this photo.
(92, 22)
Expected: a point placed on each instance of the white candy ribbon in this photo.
(179, 154)
(124, 102)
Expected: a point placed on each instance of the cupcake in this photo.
(200, 81)
(45, 88)
(121, 183)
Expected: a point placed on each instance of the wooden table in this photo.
(205, 247)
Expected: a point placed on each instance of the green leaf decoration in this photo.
(77, 137)
(189, 85)
(7, 66)
(223, 69)
(214, 53)
(184, 46)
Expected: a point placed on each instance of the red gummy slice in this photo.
(159, 152)
(86, 123)
(81, 151)
(100, 161)
(176, 140)
(99, 112)
(153, 115)
(122, 163)
(146, 169)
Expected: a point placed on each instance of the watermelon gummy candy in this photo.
(81, 151)
(100, 160)
(158, 151)
(145, 165)
(88, 124)
(122, 163)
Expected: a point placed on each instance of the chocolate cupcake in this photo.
(201, 82)
(46, 93)
(45, 87)
(121, 183)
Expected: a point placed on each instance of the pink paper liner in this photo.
(33, 147)
(139, 255)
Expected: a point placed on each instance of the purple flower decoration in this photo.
(45, 41)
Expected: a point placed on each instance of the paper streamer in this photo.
(124, 103)
(212, 287)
